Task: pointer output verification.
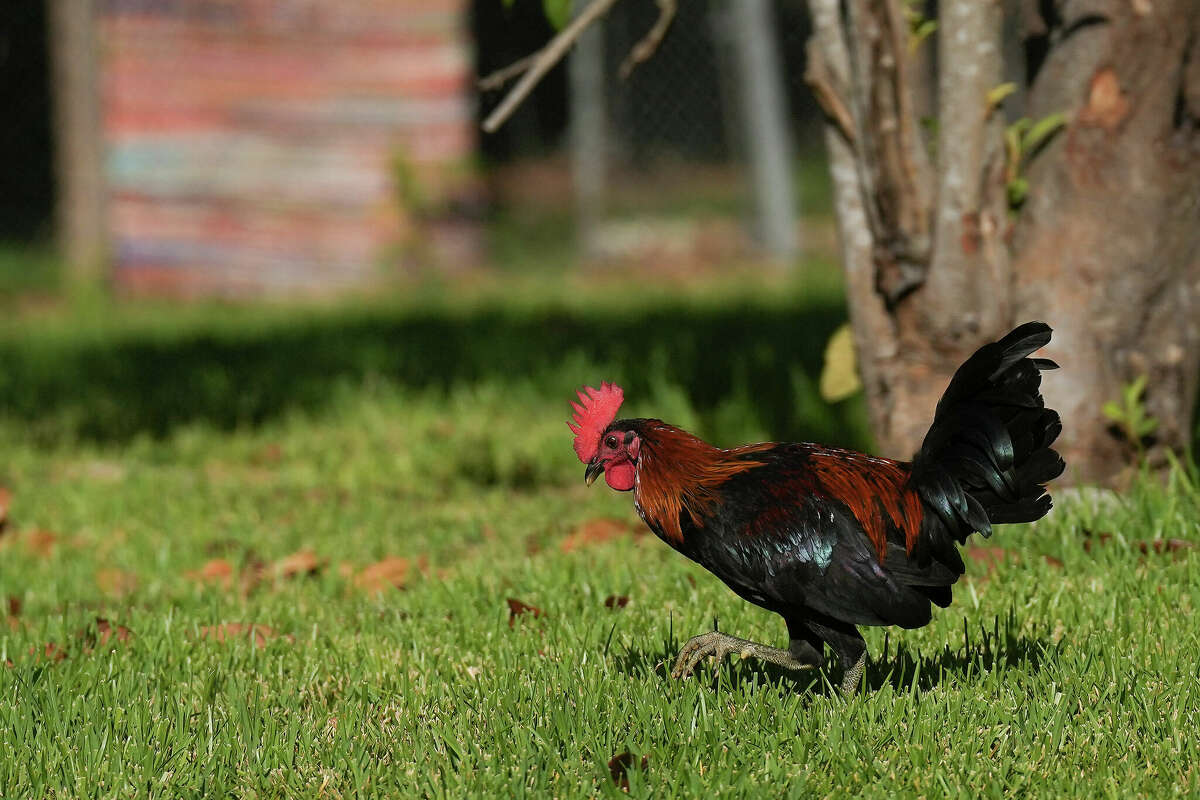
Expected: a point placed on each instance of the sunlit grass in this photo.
(1058, 671)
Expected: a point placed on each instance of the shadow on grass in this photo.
(985, 652)
(112, 390)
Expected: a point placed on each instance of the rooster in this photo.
(831, 539)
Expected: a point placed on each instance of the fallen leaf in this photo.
(98, 635)
(219, 547)
(41, 542)
(620, 764)
(1165, 546)
(303, 562)
(51, 652)
(1054, 562)
(988, 557)
(116, 581)
(8, 663)
(1103, 537)
(232, 631)
(14, 610)
(5, 502)
(516, 608)
(691, 580)
(387, 573)
(616, 601)
(271, 454)
(218, 571)
(252, 575)
(595, 531)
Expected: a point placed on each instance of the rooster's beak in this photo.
(593, 471)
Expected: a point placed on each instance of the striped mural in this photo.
(259, 146)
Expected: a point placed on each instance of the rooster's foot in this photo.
(854, 674)
(719, 645)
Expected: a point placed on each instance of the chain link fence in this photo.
(665, 173)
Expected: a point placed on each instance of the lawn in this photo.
(348, 551)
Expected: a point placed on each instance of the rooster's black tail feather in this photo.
(987, 456)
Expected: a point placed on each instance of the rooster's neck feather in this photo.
(679, 472)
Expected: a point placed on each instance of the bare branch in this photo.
(544, 60)
(505, 74)
(642, 51)
(821, 82)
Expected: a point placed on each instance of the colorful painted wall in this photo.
(265, 146)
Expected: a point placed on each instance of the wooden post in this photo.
(79, 145)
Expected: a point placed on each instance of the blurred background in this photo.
(321, 166)
(245, 149)
(215, 210)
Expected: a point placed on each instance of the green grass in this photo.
(151, 441)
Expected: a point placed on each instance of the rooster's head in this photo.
(604, 445)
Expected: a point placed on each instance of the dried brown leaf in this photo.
(5, 503)
(1165, 546)
(269, 455)
(1054, 562)
(989, 557)
(41, 542)
(516, 608)
(99, 634)
(116, 581)
(50, 652)
(620, 765)
(594, 532)
(217, 572)
(1103, 537)
(14, 611)
(302, 562)
(233, 631)
(388, 573)
(616, 601)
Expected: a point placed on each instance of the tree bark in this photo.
(1106, 249)
(1108, 245)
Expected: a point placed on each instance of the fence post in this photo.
(79, 145)
(764, 115)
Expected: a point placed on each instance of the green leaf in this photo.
(1041, 130)
(997, 95)
(920, 32)
(1134, 389)
(557, 12)
(1114, 412)
(1018, 190)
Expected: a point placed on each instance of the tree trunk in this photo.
(1106, 248)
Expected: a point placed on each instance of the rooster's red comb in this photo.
(596, 409)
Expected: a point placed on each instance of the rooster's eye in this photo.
(611, 441)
